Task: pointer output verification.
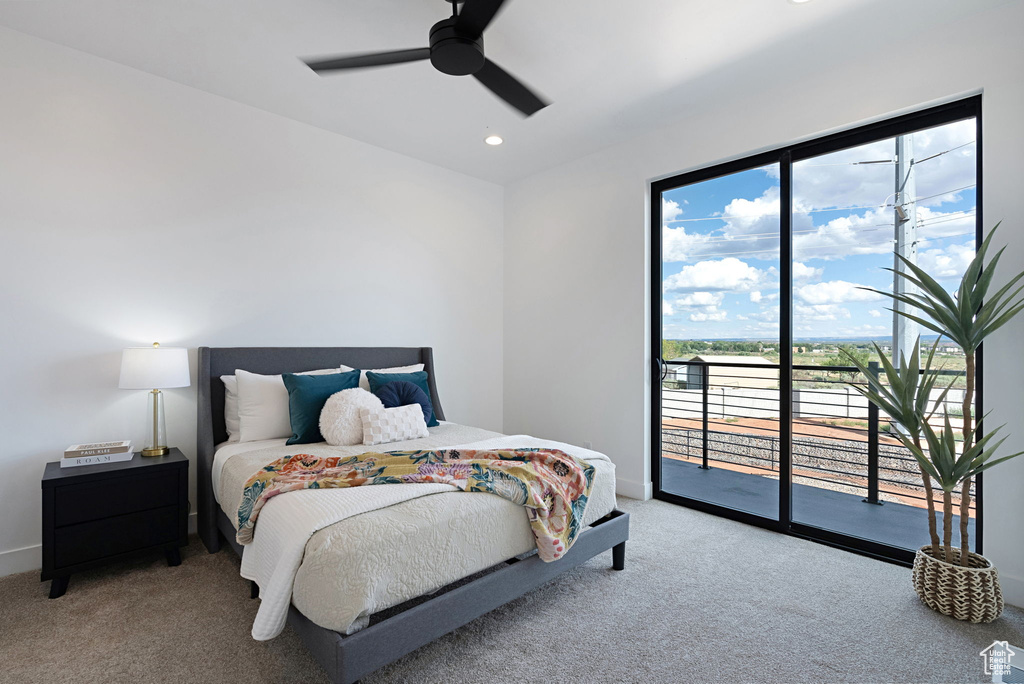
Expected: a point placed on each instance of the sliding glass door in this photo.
(720, 340)
(764, 274)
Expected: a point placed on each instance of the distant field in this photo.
(945, 361)
(829, 355)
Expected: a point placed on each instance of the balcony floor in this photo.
(891, 523)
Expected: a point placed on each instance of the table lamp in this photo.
(155, 368)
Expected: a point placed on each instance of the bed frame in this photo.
(348, 658)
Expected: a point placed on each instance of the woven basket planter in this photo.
(970, 593)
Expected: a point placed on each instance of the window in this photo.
(762, 282)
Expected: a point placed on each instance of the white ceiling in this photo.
(611, 69)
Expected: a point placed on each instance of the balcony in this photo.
(720, 443)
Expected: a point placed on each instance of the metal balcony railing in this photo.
(726, 415)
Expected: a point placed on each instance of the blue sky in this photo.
(720, 240)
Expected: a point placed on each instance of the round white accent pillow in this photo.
(340, 423)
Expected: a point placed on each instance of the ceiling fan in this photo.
(456, 48)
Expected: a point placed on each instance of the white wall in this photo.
(576, 296)
(134, 210)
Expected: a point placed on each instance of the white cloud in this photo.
(867, 233)
(874, 313)
(755, 236)
(947, 263)
(746, 216)
(758, 297)
(702, 317)
(728, 275)
(749, 228)
(702, 306)
(939, 224)
(835, 180)
(666, 308)
(950, 171)
(769, 315)
(670, 210)
(702, 299)
(741, 317)
(819, 312)
(802, 271)
(872, 232)
(833, 292)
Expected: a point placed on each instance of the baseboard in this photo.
(633, 489)
(21, 560)
(31, 557)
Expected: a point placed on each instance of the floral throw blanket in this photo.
(550, 484)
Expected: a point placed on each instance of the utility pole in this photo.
(904, 330)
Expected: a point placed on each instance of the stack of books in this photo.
(93, 454)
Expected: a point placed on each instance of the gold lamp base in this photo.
(155, 451)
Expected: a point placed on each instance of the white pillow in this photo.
(365, 384)
(263, 404)
(231, 406)
(393, 424)
(340, 423)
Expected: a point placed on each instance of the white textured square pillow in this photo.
(365, 384)
(393, 424)
(263, 404)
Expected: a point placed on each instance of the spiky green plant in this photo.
(966, 318)
(948, 468)
(905, 396)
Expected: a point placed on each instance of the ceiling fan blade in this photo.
(371, 59)
(505, 86)
(476, 15)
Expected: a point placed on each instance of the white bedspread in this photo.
(342, 554)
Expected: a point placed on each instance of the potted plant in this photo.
(952, 581)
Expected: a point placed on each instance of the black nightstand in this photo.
(97, 514)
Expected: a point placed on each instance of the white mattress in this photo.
(375, 560)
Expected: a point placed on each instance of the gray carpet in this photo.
(702, 599)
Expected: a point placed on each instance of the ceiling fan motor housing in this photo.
(453, 52)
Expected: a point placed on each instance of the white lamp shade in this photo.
(154, 368)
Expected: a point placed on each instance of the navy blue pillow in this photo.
(307, 395)
(403, 393)
(419, 378)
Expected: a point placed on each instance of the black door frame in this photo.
(785, 157)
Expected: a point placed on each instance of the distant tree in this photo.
(841, 359)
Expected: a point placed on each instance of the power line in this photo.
(945, 218)
(942, 216)
(873, 161)
(880, 243)
(939, 154)
(885, 161)
(819, 211)
(764, 236)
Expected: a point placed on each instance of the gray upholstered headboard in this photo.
(215, 362)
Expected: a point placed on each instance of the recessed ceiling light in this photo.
(493, 140)
(799, 2)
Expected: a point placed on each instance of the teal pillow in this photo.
(307, 395)
(419, 378)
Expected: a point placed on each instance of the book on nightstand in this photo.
(94, 454)
(97, 449)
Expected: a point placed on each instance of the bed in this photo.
(356, 620)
